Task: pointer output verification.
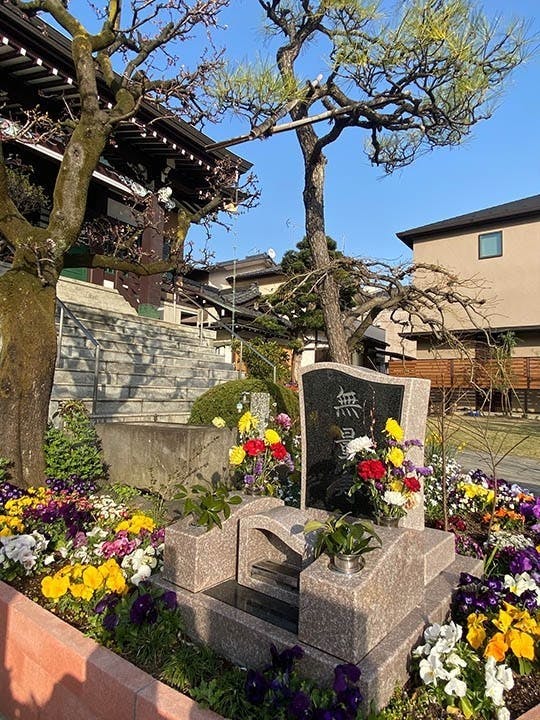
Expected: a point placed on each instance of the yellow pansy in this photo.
(10, 525)
(81, 591)
(271, 437)
(54, 587)
(237, 455)
(395, 456)
(394, 429)
(477, 633)
(136, 524)
(247, 422)
(521, 644)
(116, 583)
(92, 578)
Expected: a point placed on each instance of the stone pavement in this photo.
(514, 468)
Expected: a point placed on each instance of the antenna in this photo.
(271, 253)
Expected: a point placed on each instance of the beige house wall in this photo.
(512, 281)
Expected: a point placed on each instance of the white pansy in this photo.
(451, 632)
(454, 659)
(421, 650)
(505, 676)
(392, 497)
(431, 669)
(503, 713)
(358, 445)
(520, 583)
(455, 687)
(431, 633)
(143, 573)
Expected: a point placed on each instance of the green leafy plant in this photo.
(272, 351)
(222, 401)
(4, 465)
(73, 448)
(206, 504)
(339, 536)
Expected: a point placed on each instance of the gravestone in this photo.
(260, 407)
(339, 403)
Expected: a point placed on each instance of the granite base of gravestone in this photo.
(339, 403)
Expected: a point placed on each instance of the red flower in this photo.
(412, 484)
(279, 451)
(371, 469)
(254, 447)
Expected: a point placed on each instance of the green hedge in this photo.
(221, 401)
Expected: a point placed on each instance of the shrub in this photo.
(272, 351)
(222, 400)
(74, 448)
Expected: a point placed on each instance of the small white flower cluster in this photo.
(105, 508)
(507, 538)
(498, 679)
(358, 445)
(440, 662)
(22, 549)
(143, 561)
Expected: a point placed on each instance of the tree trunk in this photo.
(27, 361)
(316, 235)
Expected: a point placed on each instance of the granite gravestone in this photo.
(339, 403)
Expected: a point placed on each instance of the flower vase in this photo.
(347, 564)
(386, 521)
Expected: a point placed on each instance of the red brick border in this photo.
(50, 671)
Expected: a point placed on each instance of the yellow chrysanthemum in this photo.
(218, 422)
(395, 456)
(396, 486)
(247, 422)
(237, 455)
(394, 429)
(54, 587)
(271, 437)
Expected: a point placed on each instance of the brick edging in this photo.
(49, 668)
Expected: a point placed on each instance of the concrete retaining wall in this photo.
(158, 455)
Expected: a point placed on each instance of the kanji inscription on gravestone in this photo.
(338, 405)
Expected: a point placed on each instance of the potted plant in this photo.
(345, 541)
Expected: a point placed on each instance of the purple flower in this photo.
(143, 610)
(256, 687)
(283, 420)
(110, 621)
(169, 600)
(299, 706)
(284, 660)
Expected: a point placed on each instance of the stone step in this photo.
(196, 378)
(113, 370)
(107, 393)
(77, 291)
(142, 358)
(101, 319)
(439, 552)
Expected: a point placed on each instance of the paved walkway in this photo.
(521, 470)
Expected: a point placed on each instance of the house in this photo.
(500, 248)
(153, 152)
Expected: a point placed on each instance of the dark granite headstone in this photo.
(337, 407)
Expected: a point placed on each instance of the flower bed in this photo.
(50, 670)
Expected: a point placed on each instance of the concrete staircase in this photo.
(148, 369)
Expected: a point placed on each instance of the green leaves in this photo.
(338, 535)
(206, 504)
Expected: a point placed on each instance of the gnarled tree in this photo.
(122, 55)
(419, 81)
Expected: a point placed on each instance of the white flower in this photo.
(421, 650)
(431, 633)
(455, 660)
(358, 445)
(143, 573)
(503, 713)
(392, 497)
(505, 676)
(451, 633)
(431, 669)
(520, 583)
(455, 687)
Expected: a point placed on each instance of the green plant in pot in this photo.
(345, 541)
(206, 504)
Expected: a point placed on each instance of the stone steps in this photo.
(148, 369)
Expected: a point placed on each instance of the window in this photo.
(490, 244)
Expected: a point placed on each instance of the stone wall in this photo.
(158, 455)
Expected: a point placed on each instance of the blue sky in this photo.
(500, 162)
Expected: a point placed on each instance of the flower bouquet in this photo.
(384, 470)
(261, 459)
